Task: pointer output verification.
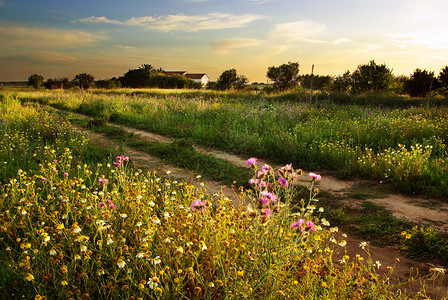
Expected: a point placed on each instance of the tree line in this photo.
(370, 78)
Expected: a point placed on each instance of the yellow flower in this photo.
(60, 226)
(121, 263)
(240, 273)
(29, 277)
(64, 282)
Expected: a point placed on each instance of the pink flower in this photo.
(315, 176)
(254, 181)
(112, 206)
(266, 168)
(103, 181)
(251, 161)
(264, 200)
(283, 182)
(65, 174)
(262, 184)
(266, 212)
(101, 204)
(311, 226)
(198, 205)
(298, 223)
(270, 196)
(288, 167)
(120, 159)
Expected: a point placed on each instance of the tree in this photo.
(83, 80)
(36, 81)
(443, 77)
(343, 83)
(227, 79)
(58, 83)
(372, 78)
(420, 83)
(139, 78)
(285, 77)
(230, 79)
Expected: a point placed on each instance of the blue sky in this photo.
(108, 37)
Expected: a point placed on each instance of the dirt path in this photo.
(411, 208)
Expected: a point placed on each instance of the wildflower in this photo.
(166, 215)
(109, 241)
(124, 216)
(321, 209)
(253, 181)
(377, 264)
(140, 255)
(325, 222)
(153, 282)
(100, 272)
(440, 270)
(363, 245)
(283, 182)
(251, 161)
(179, 250)
(29, 277)
(156, 220)
(311, 226)
(156, 260)
(101, 204)
(65, 174)
(64, 282)
(103, 181)
(342, 243)
(52, 252)
(83, 248)
(77, 256)
(121, 263)
(203, 246)
(266, 212)
(334, 229)
(315, 176)
(240, 273)
(198, 205)
(298, 223)
(211, 284)
(76, 228)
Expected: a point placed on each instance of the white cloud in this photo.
(259, 1)
(226, 45)
(31, 37)
(125, 47)
(181, 22)
(298, 31)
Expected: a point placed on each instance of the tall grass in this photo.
(323, 135)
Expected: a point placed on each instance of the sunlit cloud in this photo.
(30, 37)
(227, 45)
(181, 22)
(341, 41)
(298, 31)
(125, 47)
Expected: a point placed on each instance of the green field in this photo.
(77, 222)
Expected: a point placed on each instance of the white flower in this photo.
(342, 243)
(377, 264)
(363, 245)
(440, 270)
(139, 224)
(166, 215)
(124, 216)
(153, 282)
(83, 248)
(156, 260)
(156, 220)
(140, 255)
(151, 204)
(109, 241)
(334, 229)
(121, 263)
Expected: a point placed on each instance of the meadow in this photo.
(402, 146)
(78, 222)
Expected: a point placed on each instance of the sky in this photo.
(106, 38)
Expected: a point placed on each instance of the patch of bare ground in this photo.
(401, 206)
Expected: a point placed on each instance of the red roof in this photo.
(195, 76)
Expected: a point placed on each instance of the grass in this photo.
(406, 147)
(77, 228)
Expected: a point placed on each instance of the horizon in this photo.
(106, 38)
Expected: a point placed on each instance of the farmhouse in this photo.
(198, 77)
